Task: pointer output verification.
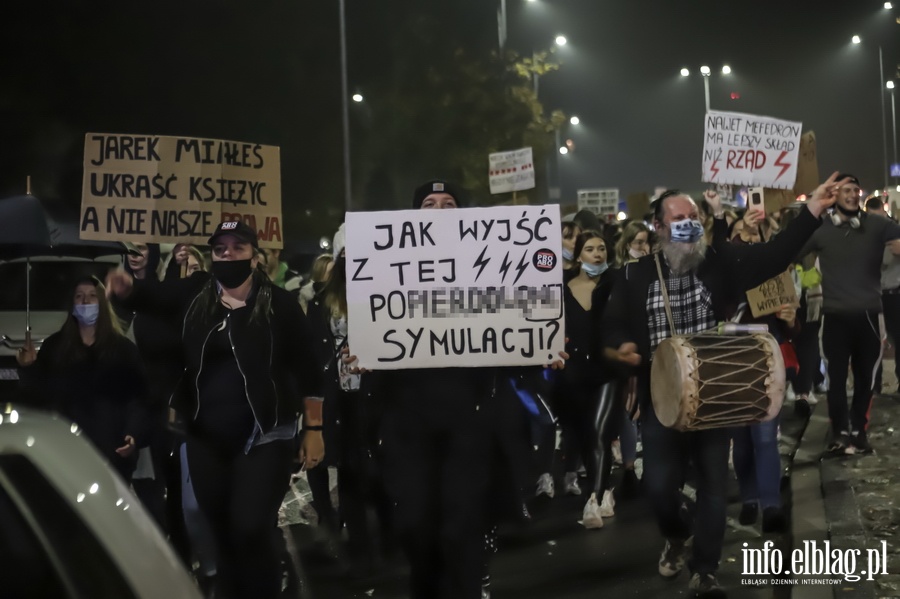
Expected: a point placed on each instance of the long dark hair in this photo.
(206, 303)
(72, 349)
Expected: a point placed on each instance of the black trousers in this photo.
(807, 345)
(891, 305)
(240, 495)
(436, 469)
(852, 338)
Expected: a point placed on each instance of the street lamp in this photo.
(706, 72)
(561, 40)
(856, 40)
(357, 98)
(575, 120)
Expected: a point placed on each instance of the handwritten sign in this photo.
(511, 171)
(744, 149)
(771, 295)
(464, 287)
(177, 189)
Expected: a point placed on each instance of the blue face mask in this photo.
(594, 270)
(567, 254)
(686, 231)
(86, 314)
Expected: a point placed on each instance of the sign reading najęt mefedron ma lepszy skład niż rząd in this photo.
(450, 288)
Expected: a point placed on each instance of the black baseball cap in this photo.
(238, 229)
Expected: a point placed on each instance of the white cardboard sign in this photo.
(745, 149)
(511, 171)
(448, 288)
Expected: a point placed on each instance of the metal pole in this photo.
(501, 24)
(894, 124)
(345, 103)
(534, 73)
(558, 171)
(706, 90)
(883, 123)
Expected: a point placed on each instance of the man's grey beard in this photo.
(683, 257)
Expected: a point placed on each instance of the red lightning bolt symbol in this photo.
(784, 165)
(714, 169)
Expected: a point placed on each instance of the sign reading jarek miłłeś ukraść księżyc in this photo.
(461, 287)
(154, 188)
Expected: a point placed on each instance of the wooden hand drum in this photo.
(707, 381)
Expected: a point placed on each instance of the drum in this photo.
(707, 381)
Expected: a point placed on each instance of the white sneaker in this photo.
(572, 487)
(812, 400)
(545, 486)
(591, 518)
(608, 504)
(789, 394)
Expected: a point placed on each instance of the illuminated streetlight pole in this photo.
(706, 72)
(345, 104)
(857, 40)
(890, 86)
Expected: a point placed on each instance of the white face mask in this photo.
(636, 253)
(86, 314)
(594, 270)
(567, 254)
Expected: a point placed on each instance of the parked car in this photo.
(71, 527)
(52, 281)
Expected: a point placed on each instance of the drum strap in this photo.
(665, 294)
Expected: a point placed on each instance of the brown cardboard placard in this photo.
(771, 295)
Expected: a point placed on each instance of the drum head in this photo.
(671, 383)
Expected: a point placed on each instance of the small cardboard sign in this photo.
(771, 295)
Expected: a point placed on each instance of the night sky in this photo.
(268, 72)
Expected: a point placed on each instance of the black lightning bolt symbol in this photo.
(521, 268)
(504, 268)
(480, 262)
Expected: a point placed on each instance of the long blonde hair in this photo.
(631, 231)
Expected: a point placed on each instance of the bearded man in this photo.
(702, 283)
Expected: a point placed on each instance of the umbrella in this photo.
(26, 230)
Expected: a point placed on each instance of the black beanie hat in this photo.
(436, 186)
(852, 178)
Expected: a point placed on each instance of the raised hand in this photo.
(825, 194)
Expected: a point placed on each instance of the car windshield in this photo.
(51, 283)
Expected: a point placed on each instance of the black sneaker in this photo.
(749, 513)
(860, 442)
(705, 586)
(773, 520)
(842, 445)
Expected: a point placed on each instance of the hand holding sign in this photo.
(825, 194)
(787, 313)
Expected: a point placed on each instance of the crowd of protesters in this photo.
(209, 375)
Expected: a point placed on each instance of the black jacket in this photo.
(274, 354)
(727, 272)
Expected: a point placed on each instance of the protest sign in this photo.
(744, 149)
(771, 295)
(511, 171)
(807, 165)
(152, 188)
(447, 288)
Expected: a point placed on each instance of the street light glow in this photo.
(855, 39)
(357, 98)
(704, 70)
(563, 150)
(561, 40)
(685, 72)
(890, 85)
(888, 5)
(575, 120)
(726, 70)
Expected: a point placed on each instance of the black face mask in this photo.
(231, 273)
(847, 212)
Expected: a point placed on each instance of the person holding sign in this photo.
(438, 435)
(702, 283)
(248, 372)
(850, 246)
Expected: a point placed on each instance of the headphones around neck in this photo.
(837, 221)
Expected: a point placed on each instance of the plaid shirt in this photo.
(691, 305)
